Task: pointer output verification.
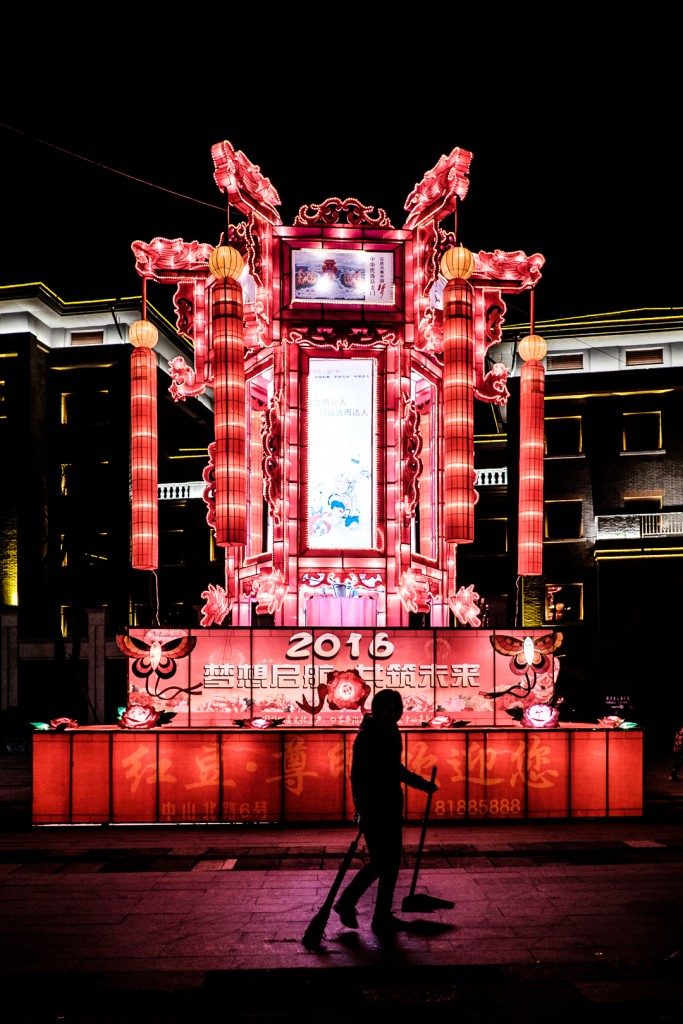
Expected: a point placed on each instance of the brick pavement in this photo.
(577, 920)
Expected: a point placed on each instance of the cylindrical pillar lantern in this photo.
(144, 446)
(458, 397)
(532, 350)
(229, 405)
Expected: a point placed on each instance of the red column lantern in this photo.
(144, 445)
(532, 349)
(458, 396)
(229, 406)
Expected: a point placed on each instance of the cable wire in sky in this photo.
(112, 170)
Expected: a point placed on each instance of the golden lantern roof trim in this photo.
(226, 261)
(457, 263)
(533, 346)
(143, 334)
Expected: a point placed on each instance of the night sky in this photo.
(580, 165)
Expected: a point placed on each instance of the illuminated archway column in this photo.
(144, 445)
(230, 458)
(457, 265)
(532, 350)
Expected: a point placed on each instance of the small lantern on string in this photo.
(457, 264)
(226, 261)
(143, 334)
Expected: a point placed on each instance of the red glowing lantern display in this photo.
(144, 445)
(458, 397)
(228, 396)
(531, 452)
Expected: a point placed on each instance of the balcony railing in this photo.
(176, 492)
(492, 477)
(650, 524)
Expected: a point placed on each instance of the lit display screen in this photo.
(343, 276)
(341, 446)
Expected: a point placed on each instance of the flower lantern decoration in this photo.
(532, 350)
(230, 475)
(541, 716)
(143, 336)
(457, 265)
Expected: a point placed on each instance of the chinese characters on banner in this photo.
(326, 677)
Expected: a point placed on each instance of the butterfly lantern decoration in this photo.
(155, 660)
(529, 658)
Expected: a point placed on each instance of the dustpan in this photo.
(422, 902)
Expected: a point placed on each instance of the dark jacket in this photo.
(377, 771)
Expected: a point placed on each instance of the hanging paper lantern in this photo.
(225, 261)
(230, 455)
(457, 263)
(144, 446)
(458, 411)
(531, 451)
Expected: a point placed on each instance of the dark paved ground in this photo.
(566, 921)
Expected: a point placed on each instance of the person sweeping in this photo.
(377, 775)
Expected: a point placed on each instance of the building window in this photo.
(641, 432)
(563, 602)
(563, 435)
(567, 361)
(87, 337)
(644, 356)
(643, 504)
(492, 535)
(563, 520)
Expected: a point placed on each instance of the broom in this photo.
(315, 932)
(422, 901)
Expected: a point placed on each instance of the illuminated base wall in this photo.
(104, 775)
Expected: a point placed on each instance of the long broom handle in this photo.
(428, 806)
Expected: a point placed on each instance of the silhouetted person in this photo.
(377, 773)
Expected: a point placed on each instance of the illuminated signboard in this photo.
(326, 677)
(343, 276)
(341, 447)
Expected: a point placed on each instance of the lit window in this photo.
(644, 356)
(641, 432)
(563, 520)
(563, 435)
(563, 602)
(567, 361)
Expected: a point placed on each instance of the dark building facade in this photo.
(65, 507)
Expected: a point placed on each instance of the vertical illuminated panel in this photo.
(341, 454)
(144, 458)
(229, 413)
(251, 776)
(424, 523)
(313, 774)
(51, 778)
(531, 451)
(458, 413)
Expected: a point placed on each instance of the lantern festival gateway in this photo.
(344, 357)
